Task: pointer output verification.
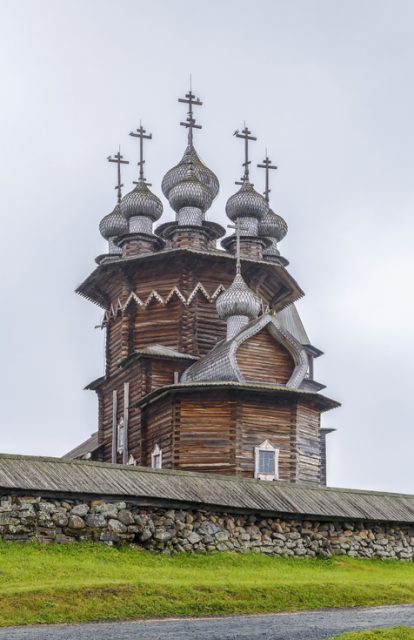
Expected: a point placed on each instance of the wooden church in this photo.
(208, 365)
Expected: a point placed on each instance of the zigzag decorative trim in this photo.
(155, 298)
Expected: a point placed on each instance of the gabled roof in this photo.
(220, 364)
(176, 489)
(89, 446)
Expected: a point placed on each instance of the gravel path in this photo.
(310, 625)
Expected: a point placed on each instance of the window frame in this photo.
(156, 453)
(120, 436)
(267, 447)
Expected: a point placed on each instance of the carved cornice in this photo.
(156, 298)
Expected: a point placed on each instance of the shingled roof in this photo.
(55, 477)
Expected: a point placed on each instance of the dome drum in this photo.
(190, 216)
(113, 249)
(140, 224)
(235, 324)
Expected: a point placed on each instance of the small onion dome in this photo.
(178, 173)
(273, 226)
(113, 225)
(191, 192)
(246, 203)
(141, 202)
(238, 300)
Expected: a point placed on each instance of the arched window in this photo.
(266, 465)
(156, 458)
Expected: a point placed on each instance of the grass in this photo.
(395, 633)
(85, 582)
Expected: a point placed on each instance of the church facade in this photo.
(208, 365)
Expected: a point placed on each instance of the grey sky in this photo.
(326, 85)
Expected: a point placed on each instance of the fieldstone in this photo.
(80, 510)
(61, 520)
(95, 521)
(145, 535)
(193, 538)
(125, 517)
(107, 509)
(162, 536)
(76, 522)
(222, 536)
(116, 527)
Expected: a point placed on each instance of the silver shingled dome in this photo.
(178, 173)
(141, 202)
(273, 226)
(191, 192)
(246, 203)
(114, 224)
(238, 300)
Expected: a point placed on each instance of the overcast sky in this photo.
(326, 85)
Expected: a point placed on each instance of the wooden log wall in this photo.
(157, 428)
(308, 444)
(262, 359)
(205, 434)
(262, 420)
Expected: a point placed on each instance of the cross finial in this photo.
(119, 160)
(267, 164)
(246, 135)
(237, 226)
(190, 122)
(141, 134)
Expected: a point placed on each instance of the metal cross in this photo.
(267, 164)
(141, 134)
(238, 227)
(190, 122)
(119, 160)
(246, 135)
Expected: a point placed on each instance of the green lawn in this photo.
(83, 582)
(396, 633)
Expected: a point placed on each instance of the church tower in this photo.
(208, 365)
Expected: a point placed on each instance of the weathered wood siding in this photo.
(307, 422)
(205, 433)
(259, 420)
(262, 359)
(157, 428)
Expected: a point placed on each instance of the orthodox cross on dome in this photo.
(267, 165)
(246, 135)
(119, 160)
(141, 134)
(190, 122)
(237, 226)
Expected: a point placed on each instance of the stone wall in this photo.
(171, 531)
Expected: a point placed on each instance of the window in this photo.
(121, 436)
(156, 458)
(266, 462)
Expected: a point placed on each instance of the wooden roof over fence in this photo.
(53, 477)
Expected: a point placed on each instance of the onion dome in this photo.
(238, 300)
(113, 225)
(141, 202)
(273, 226)
(190, 192)
(179, 173)
(246, 203)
